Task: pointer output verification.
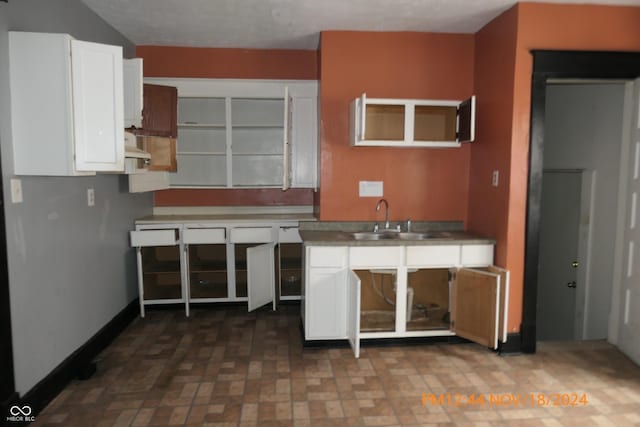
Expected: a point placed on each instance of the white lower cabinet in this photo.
(159, 259)
(324, 301)
(405, 291)
(217, 262)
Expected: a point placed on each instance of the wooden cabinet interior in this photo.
(161, 272)
(428, 299)
(163, 153)
(208, 271)
(290, 270)
(240, 251)
(434, 123)
(385, 122)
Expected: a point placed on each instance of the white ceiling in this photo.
(292, 24)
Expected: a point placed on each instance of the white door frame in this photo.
(628, 121)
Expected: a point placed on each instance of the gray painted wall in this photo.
(583, 130)
(70, 268)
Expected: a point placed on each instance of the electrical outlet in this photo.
(16, 190)
(91, 197)
(495, 178)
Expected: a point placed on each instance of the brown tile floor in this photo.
(224, 367)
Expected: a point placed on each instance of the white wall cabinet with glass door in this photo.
(245, 133)
(66, 105)
(411, 122)
(412, 291)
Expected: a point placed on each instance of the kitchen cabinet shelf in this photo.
(411, 122)
(264, 131)
(195, 125)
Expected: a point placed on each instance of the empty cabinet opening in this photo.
(290, 270)
(161, 272)
(241, 268)
(434, 123)
(378, 300)
(427, 299)
(208, 271)
(384, 122)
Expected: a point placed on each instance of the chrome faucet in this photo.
(386, 215)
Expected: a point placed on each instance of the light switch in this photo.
(91, 197)
(371, 189)
(16, 190)
(495, 178)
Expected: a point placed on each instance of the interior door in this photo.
(629, 335)
(467, 120)
(353, 312)
(260, 275)
(475, 302)
(98, 106)
(557, 268)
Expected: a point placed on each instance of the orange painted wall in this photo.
(227, 63)
(539, 26)
(421, 184)
(495, 57)
(170, 61)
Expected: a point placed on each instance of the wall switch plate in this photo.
(16, 190)
(91, 197)
(495, 178)
(371, 189)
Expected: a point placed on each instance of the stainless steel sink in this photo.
(393, 235)
(416, 236)
(370, 235)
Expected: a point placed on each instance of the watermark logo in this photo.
(20, 414)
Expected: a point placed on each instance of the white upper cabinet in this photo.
(411, 122)
(133, 95)
(245, 133)
(66, 105)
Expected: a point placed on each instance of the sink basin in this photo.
(393, 235)
(415, 236)
(370, 235)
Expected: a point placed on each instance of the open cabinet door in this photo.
(475, 306)
(286, 138)
(504, 301)
(353, 313)
(466, 131)
(260, 275)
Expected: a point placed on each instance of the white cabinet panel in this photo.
(251, 235)
(153, 238)
(77, 127)
(289, 235)
(327, 256)
(326, 304)
(133, 95)
(260, 276)
(476, 255)
(99, 131)
(203, 235)
(433, 256)
(304, 153)
(353, 312)
(381, 256)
